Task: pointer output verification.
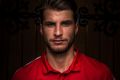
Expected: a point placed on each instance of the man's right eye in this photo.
(49, 24)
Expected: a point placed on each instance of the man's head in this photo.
(59, 5)
(58, 25)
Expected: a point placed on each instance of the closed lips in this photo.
(57, 40)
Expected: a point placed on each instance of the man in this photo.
(61, 60)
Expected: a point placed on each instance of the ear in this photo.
(41, 29)
(76, 30)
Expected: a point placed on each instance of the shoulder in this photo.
(96, 68)
(92, 62)
(28, 69)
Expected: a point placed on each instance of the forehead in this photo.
(50, 14)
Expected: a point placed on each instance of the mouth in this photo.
(58, 42)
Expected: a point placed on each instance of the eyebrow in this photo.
(49, 22)
(67, 22)
(62, 22)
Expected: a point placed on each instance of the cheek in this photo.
(69, 32)
(47, 33)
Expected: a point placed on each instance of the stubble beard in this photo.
(63, 50)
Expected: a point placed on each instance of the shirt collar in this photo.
(74, 67)
(46, 66)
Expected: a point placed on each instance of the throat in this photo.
(61, 62)
(61, 65)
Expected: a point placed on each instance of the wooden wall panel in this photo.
(92, 41)
(14, 54)
(107, 50)
(116, 56)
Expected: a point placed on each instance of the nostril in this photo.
(57, 34)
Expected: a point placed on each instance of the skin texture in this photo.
(59, 29)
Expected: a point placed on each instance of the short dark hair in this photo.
(58, 5)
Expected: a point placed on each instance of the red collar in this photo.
(74, 67)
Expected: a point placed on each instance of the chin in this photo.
(62, 49)
(59, 48)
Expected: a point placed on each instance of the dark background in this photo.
(21, 42)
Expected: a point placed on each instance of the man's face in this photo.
(58, 29)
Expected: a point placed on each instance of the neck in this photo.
(61, 61)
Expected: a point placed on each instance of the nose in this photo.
(58, 32)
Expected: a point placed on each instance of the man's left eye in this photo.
(66, 23)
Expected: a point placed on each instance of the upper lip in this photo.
(57, 40)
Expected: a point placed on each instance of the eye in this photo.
(49, 24)
(66, 23)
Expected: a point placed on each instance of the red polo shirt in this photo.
(82, 68)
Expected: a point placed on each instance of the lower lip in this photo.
(58, 42)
